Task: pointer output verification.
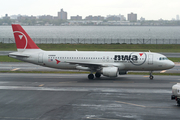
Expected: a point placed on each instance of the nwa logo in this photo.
(135, 58)
(21, 39)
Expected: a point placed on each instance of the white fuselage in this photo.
(82, 60)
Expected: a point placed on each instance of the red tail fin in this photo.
(23, 41)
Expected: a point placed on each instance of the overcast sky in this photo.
(149, 9)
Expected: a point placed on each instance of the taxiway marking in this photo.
(19, 118)
(143, 106)
(100, 118)
(131, 104)
(123, 81)
(69, 82)
(41, 85)
(15, 69)
(163, 71)
(80, 89)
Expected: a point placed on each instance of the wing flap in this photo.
(90, 64)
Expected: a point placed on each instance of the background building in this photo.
(113, 18)
(48, 17)
(142, 19)
(6, 16)
(132, 17)
(90, 17)
(62, 15)
(25, 17)
(122, 18)
(76, 17)
(177, 17)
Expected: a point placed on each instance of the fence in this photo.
(95, 41)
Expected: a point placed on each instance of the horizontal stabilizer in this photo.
(18, 54)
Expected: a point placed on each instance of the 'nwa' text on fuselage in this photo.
(126, 57)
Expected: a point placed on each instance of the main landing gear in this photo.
(151, 76)
(98, 75)
(91, 76)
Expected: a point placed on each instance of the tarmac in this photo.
(74, 97)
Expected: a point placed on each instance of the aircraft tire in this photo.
(151, 77)
(98, 75)
(90, 76)
(178, 102)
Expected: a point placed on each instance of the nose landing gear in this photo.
(151, 76)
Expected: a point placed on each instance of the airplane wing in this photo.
(85, 64)
(96, 65)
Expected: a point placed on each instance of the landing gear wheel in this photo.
(90, 76)
(178, 102)
(98, 75)
(151, 77)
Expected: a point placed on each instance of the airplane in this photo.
(109, 64)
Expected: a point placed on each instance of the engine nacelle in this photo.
(110, 71)
(123, 72)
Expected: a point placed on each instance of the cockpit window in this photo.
(163, 58)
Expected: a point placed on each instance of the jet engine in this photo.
(110, 71)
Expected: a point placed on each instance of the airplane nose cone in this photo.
(170, 64)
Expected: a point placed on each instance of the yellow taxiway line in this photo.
(15, 69)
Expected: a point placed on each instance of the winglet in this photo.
(22, 39)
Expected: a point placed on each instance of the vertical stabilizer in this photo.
(22, 39)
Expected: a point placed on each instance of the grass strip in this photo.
(100, 47)
(8, 59)
(174, 59)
